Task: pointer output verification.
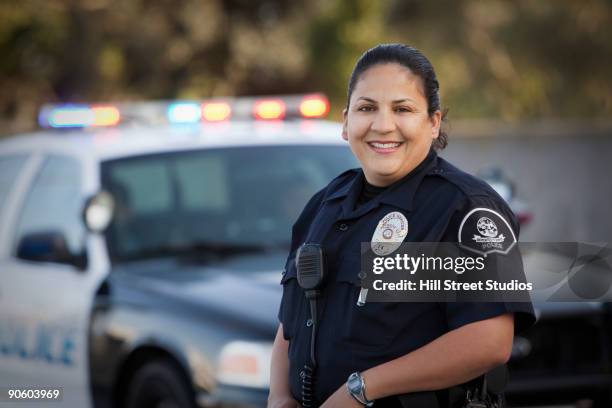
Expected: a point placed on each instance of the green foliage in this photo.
(495, 59)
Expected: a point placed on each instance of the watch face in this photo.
(354, 383)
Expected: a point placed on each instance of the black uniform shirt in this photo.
(435, 198)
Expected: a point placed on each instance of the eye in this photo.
(366, 108)
(403, 109)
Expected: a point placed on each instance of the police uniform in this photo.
(438, 201)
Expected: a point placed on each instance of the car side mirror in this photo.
(49, 246)
(98, 211)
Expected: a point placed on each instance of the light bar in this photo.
(193, 112)
(216, 111)
(184, 112)
(77, 116)
(269, 109)
(314, 106)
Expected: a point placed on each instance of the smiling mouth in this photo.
(386, 147)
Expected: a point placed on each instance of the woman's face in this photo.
(387, 124)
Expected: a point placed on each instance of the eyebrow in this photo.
(365, 98)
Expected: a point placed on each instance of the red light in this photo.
(269, 109)
(105, 116)
(216, 111)
(314, 107)
(524, 217)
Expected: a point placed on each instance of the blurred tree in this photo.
(514, 60)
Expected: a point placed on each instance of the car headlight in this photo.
(246, 364)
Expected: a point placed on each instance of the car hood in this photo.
(227, 292)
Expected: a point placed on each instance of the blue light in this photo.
(184, 112)
(67, 116)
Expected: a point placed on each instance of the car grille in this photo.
(569, 354)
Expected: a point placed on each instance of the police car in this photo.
(141, 247)
(140, 255)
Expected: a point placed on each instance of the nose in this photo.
(384, 122)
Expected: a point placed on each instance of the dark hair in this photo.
(417, 63)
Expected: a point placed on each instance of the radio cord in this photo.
(308, 374)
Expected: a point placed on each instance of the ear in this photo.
(344, 124)
(436, 122)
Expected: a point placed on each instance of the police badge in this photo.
(389, 233)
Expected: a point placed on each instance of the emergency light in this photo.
(185, 112)
(269, 109)
(314, 107)
(68, 116)
(216, 111)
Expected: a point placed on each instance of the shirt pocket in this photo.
(372, 325)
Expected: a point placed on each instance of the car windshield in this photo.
(220, 202)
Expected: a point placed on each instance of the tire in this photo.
(159, 384)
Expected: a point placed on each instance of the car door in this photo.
(15, 170)
(47, 285)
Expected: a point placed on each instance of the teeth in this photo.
(385, 145)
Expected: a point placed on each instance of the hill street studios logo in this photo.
(485, 231)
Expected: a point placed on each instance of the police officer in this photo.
(374, 351)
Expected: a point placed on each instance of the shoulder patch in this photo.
(485, 231)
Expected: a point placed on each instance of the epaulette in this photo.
(470, 185)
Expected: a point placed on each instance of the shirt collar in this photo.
(399, 194)
(344, 190)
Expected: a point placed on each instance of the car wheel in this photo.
(159, 384)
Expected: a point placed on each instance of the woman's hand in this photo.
(341, 399)
(283, 402)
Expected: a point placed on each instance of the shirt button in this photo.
(308, 322)
(343, 227)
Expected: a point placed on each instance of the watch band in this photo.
(356, 388)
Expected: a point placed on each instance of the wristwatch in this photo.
(356, 387)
